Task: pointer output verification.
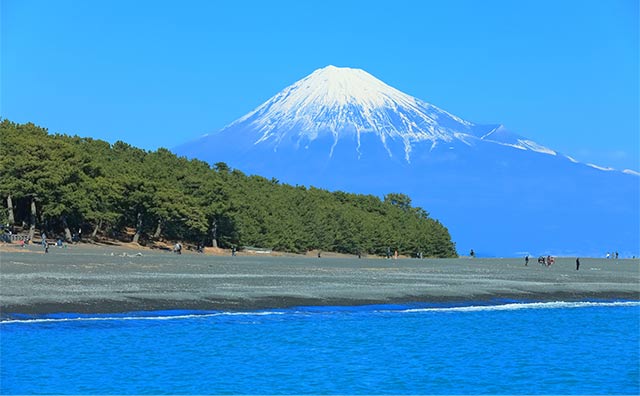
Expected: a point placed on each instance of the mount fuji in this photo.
(499, 193)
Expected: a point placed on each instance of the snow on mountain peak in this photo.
(343, 102)
(340, 100)
(339, 86)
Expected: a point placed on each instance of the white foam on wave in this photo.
(139, 318)
(471, 308)
(536, 305)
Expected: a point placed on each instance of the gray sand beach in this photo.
(90, 279)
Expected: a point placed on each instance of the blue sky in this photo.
(159, 73)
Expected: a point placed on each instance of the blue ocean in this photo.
(505, 348)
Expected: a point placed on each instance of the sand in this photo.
(104, 279)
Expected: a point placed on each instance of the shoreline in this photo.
(132, 307)
(497, 304)
(97, 279)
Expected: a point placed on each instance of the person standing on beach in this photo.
(577, 263)
(526, 260)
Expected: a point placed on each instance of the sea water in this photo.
(507, 348)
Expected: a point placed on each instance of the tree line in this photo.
(60, 183)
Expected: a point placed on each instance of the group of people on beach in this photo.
(542, 260)
(548, 261)
(24, 240)
(388, 255)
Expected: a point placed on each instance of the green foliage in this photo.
(116, 189)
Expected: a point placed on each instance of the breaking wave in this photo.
(532, 305)
(177, 315)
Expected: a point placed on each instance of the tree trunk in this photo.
(136, 237)
(67, 231)
(10, 207)
(214, 234)
(156, 234)
(32, 227)
(96, 229)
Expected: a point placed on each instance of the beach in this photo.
(85, 278)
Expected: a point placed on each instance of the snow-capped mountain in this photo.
(334, 104)
(341, 128)
(348, 103)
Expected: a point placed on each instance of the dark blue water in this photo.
(558, 348)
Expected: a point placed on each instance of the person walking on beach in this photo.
(577, 263)
(526, 260)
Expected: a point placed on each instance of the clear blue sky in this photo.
(158, 73)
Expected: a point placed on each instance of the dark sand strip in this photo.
(104, 280)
